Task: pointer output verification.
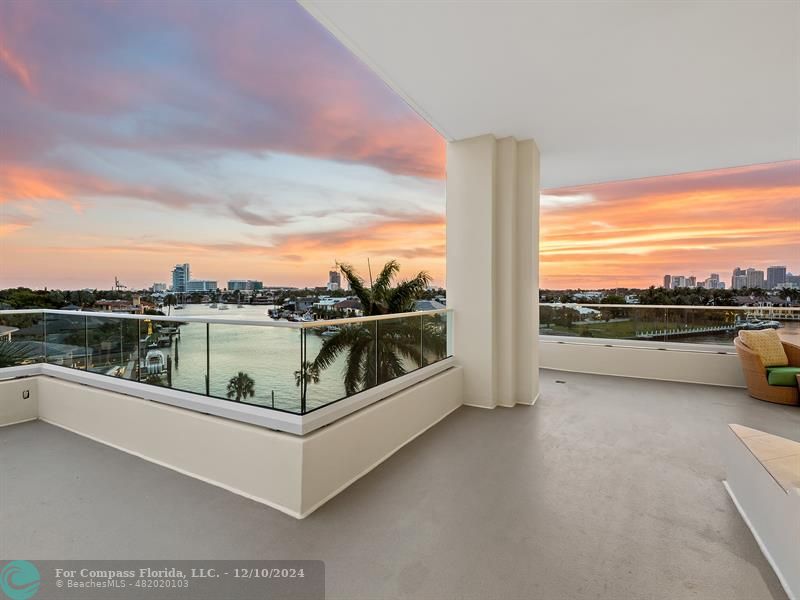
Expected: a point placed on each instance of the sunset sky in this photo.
(243, 139)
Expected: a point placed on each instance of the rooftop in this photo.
(607, 486)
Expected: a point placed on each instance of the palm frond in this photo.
(434, 337)
(389, 364)
(357, 286)
(410, 351)
(14, 353)
(309, 373)
(401, 298)
(354, 367)
(344, 339)
(384, 281)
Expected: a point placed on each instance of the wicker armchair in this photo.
(756, 375)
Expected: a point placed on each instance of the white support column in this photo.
(492, 267)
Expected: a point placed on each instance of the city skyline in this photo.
(245, 140)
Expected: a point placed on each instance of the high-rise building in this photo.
(245, 285)
(334, 281)
(776, 277)
(713, 282)
(754, 278)
(678, 281)
(739, 282)
(736, 273)
(667, 281)
(180, 277)
(691, 281)
(201, 285)
(159, 287)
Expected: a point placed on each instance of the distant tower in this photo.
(776, 277)
(667, 281)
(737, 272)
(754, 278)
(334, 281)
(180, 277)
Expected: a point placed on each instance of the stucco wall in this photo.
(666, 365)
(13, 407)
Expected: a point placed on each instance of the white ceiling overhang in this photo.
(609, 90)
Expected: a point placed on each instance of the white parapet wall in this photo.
(690, 363)
(770, 508)
(247, 459)
(292, 473)
(19, 401)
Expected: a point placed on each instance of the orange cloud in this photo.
(9, 228)
(632, 233)
(21, 183)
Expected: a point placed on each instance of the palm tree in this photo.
(381, 298)
(241, 386)
(170, 300)
(15, 353)
(379, 351)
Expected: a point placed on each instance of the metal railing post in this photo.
(139, 351)
(44, 336)
(303, 373)
(421, 344)
(86, 343)
(208, 358)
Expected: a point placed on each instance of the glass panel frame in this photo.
(65, 341)
(264, 375)
(22, 339)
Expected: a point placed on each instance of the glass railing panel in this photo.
(339, 361)
(65, 341)
(172, 354)
(295, 369)
(562, 319)
(703, 326)
(255, 365)
(647, 323)
(21, 339)
(399, 347)
(680, 324)
(435, 338)
(575, 320)
(113, 348)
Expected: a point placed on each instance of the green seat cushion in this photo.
(783, 376)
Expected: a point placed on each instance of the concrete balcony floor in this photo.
(607, 488)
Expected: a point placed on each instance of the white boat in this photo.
(223, 307)
(330, 331)
(212, 305)
(752, 324)
(154, 363)
(307, 318)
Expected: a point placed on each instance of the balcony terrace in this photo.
(575, 484)
(607, 486)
